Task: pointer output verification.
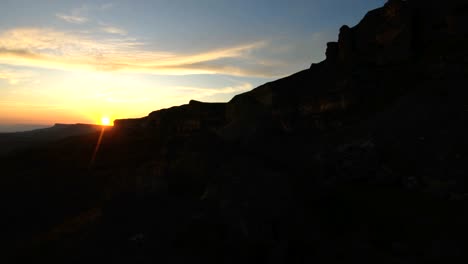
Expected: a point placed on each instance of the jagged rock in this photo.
(345, 45)
(332, 52)
(384, 36)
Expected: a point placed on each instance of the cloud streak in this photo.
(49, 48)
(114, 30)
(23, 105)
(14, 76)
(73, 19)
(209, 92)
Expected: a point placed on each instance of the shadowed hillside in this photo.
(361, 157)
(16, 141)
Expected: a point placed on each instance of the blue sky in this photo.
(73, 61)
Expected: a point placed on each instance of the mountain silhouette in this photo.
(361, 157)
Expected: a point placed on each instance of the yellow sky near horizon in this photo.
(86, 97)
(77, 62)
(58, 77)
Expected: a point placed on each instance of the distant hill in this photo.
(20, 127)
(20, 140)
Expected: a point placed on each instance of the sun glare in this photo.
(105, 121)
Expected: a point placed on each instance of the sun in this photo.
(105, 121)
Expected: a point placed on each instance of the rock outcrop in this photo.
(178, 121)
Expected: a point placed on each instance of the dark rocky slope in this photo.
(16, 141)
(362, 158)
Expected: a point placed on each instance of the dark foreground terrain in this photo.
(16, 141)
(361, 158)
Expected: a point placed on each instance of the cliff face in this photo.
(178, 121)
(360, 157)
(396, 43)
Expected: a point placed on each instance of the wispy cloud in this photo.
(14, 76)
(49, 48)
(27, 105)
(76, 16)
(116, 95)
(177, 95)
(114, 30)
(74, 19)
(211, 92)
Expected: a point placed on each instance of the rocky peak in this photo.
(400, 31)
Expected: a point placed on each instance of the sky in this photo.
(79, 61)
